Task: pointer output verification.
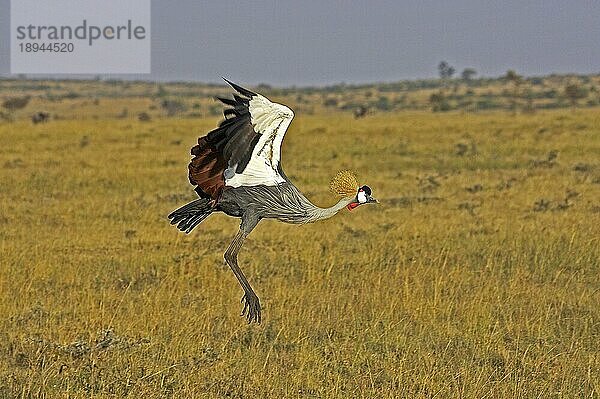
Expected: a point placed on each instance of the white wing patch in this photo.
(271, 121)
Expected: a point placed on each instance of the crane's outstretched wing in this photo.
(245, 150)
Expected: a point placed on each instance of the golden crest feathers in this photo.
(344, 184)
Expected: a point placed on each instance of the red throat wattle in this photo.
(352, 205)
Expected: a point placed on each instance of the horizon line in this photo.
(134, 78)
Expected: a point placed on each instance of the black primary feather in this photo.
(240, 89)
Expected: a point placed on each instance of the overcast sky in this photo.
(324, 42)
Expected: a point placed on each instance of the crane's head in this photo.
(363, 196)
(346, 185)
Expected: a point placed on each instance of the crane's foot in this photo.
(251, 307)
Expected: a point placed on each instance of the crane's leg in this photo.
(251, 303)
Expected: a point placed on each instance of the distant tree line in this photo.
(464, 91)
(519, 94)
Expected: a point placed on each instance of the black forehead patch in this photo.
(366, 189)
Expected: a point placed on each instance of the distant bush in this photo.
(417, 85)
(439, 102)
(488, 104)
(351, 106)
(468, 74)
(16, 103)
(592, 102)
(40, 117)
(360, 112)
(330, 102)
(552, 105)
(71, 95)
(552, 93)
(383, 104)
(536, 81)
(173, 107)
(39, 86)
(575, 92)
(144, 117)
(400, 102)
(161, 92)
(467, 105)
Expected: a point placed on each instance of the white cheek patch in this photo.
(362, 198)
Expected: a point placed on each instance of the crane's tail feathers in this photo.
(190, 215)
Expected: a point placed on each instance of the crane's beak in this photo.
(371, 200)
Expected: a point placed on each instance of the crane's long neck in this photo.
(325, 213)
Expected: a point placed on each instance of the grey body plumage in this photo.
(236, 177)
(283, 202)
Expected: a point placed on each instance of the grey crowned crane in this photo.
(236, 169)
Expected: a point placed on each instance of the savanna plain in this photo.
(477, 276)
